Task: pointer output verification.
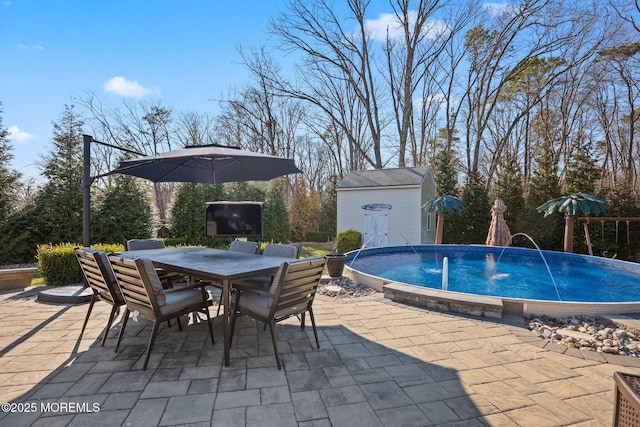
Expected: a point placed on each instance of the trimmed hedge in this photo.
(348, 240)
(58, 263)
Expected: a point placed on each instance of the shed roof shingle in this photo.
(384, 178)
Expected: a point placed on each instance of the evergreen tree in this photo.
(509, 188)
(188, 210)
(275, 216)
(547, 232)
(124, 212)
(14, 231)
(329, 208)
(304, 211)
(446, 176)
(242, 191)
(58, 205)
(582, 171)
(476, 218)
(9, 178)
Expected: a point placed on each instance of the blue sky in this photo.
(183, 53)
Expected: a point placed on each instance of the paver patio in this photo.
(379, 364)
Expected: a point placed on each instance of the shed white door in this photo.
(376, 229)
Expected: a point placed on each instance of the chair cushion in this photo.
(154, 280)
(255, 303)
(261, 305)
(258, 282)
(176, 301)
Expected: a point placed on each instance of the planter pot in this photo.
(15, 278)
(335, 264)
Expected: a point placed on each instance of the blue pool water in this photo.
(509, 273)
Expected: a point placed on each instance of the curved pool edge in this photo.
(481, 305)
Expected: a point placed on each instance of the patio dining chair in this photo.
(143, 294)
(99, 276)
(236, 246)
(142, 244)
(271, 249)
(168, 278)
(244, 246)
(291, 294)
(281, 250)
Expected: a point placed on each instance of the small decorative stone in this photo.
(344, 287)
(586, 334)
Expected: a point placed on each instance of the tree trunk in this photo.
(440, 228)
(568, 232)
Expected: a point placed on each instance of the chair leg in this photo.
(219, 305)
(112, 315)
(205, 300)
(206, 310)
(125, 318)
(234, 313)
(179, 324)
(302, 316)
(154, 332)
(313, 324)
(86, 318)
(274, 338)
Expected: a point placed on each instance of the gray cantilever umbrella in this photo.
(212, 164)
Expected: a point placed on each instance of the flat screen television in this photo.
(234, 219)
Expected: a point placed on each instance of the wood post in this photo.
(568, 232)
(440, 228)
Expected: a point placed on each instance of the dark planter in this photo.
(335, 264)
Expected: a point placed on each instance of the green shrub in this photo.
(176, 241)
(348, 240)
(58, 263)
(318, 236)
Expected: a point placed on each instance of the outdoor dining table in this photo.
(212, 265)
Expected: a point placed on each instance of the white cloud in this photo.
(500, 9)
(389, 23)
(126, 88)
(17, 135)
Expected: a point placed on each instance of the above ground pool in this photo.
(510, 273)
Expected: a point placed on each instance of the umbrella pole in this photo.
(86, 190)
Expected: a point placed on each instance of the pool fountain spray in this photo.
(382, 234)
(555, 286)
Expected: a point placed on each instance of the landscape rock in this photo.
(587, 334)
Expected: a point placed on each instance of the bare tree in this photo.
(413, 47)
(193, 128)
(143, 126)
(529, 48)
(334, 60)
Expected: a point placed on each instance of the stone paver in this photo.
(379, 364)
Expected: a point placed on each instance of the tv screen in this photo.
(234, 219)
